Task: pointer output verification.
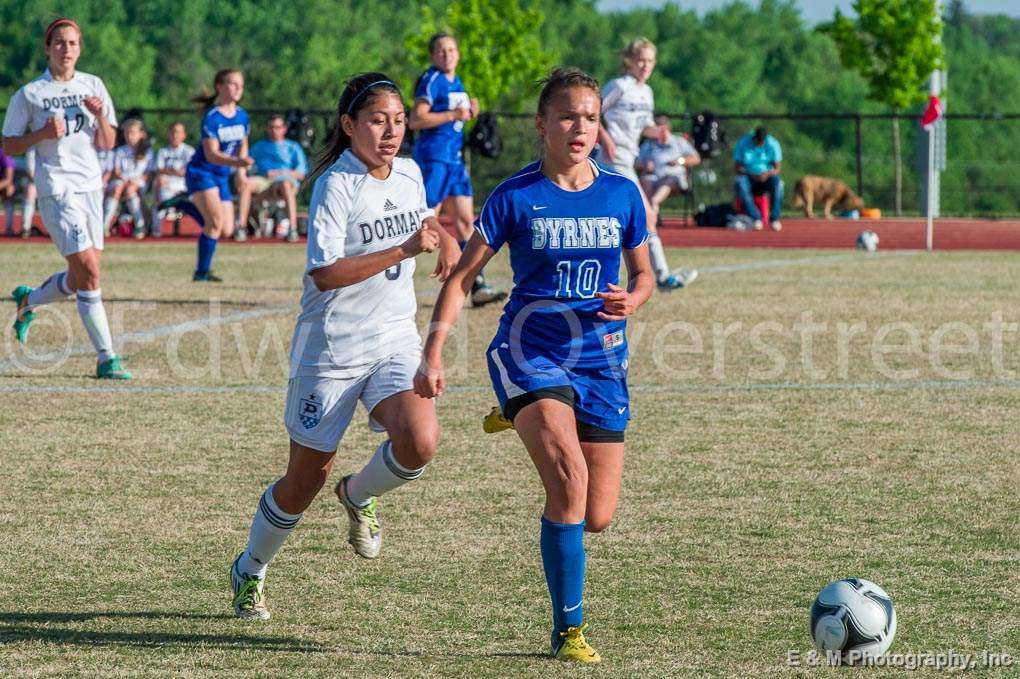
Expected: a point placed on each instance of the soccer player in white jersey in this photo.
(64, 115)
(130, 176)
(356, 337)
(168, 172)
(628, 107)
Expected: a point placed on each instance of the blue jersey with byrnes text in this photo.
(564, 247)
(442, 143)
(229, 132)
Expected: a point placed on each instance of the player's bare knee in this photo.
(572, 481)
(417, 447)
(596, 522)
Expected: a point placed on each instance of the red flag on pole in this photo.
(931, 114)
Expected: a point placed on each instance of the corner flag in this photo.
(931, 114)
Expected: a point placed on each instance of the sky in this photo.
(812, 10)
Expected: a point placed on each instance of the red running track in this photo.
(894, 234)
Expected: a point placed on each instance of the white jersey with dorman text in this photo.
(341, 333)
(68, 164)
(627, 108)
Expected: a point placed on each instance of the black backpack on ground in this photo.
(484, 138)
(714, 215)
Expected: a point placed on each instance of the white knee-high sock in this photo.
(659, 263)
(382, 474)
(27, 215)
(109, 211)
(93, 316)
(53, 290)
(269, 529)
(134, 204)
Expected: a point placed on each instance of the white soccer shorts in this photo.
(319, 409)
(74, 220)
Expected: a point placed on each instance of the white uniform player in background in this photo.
(167, 172)
(356, 337)
(65, 115)
(130, 176)
(628, 109)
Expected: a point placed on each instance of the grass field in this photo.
(799, 417)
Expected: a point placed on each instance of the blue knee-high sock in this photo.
(206, 250)
(563, 560)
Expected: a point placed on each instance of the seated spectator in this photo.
(24, 186)
(665, 165)
(7, 188)
(280, 166)
(167, 171)
(758, 159)
(129, 177)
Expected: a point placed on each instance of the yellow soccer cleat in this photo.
(494, 422)
(572, 647)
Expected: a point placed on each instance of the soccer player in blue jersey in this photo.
(558, 362)
(441, 106)
(224, 145)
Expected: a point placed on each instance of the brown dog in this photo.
(812, 189)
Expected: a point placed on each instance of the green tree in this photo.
(894, 45)
(501, 55)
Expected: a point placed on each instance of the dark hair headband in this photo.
(366, 89)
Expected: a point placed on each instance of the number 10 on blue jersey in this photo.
(584, 284)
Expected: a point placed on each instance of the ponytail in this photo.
(205, 100)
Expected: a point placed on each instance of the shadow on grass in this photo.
(36, 626)
(15, 627)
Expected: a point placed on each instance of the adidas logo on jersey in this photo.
(388, 206)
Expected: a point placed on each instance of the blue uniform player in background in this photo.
(224, 145)
(441, 106)
(559, 359)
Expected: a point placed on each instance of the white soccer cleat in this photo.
(776, 225)
(363, 530)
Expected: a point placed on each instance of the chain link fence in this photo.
(981, 178)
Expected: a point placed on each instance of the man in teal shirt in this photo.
(758, 159)
(280, 167)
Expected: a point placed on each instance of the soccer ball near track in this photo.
(867, 240)
(855, 618)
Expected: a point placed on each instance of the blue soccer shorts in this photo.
(443, 180)
(197, 179)
(600, 396)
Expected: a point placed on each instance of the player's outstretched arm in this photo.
(350, 270)
(430, 381)
(618, 303)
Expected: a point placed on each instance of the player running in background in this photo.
(64, 115)
(168, 170)
(130, 176)
(441, 105)
(628, 108)
(562, 379)
(225, 130)
(356, 337)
